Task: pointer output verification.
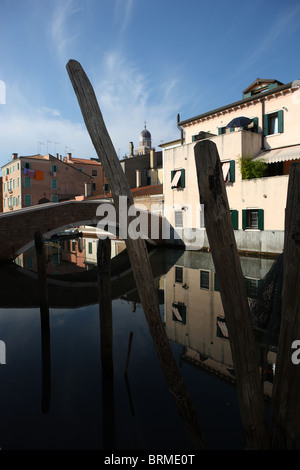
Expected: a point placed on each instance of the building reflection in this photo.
(194, 315)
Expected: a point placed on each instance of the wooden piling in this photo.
(235, 303)
(45, 321)
(286, 388)
(136, 248)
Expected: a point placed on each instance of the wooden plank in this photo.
(286, 389)
(235, 303)
(136, 248)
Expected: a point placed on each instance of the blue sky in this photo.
(147, 60)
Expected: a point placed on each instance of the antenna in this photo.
(39, 146)
(48, 142)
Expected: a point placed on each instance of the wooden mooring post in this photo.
(286, 388)
(232, 289)
(137, 250)
(45, 321)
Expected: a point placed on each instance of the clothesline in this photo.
(38, 175)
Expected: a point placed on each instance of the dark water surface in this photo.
(63, 401)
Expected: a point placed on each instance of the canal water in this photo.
(56, 392)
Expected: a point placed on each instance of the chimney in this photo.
(153, 159)
(14, 156)
(69, 156)
(138, 178)
(131, 149)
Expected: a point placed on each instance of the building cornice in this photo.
(239, 104)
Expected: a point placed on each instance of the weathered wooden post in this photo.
(235, 303)
(106, 341)
(45, 321)
(286, 389)
(136, 248)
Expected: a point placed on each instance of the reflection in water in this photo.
(138, 410)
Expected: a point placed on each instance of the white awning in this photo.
(176, 313)
(283, 154)
(175, 179)
(225, 169)
(223, 328)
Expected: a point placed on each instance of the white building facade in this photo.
(257, 203)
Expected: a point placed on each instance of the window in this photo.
(179, 312)
(273, 123)
(28, 166)
(204, 280)
(178, 219)
(94, 186)
(90, 248)
(53, 168)
(178, 274)
(253, 219)
(29, 263)
(222, 331)
(202, 218)
(27, 182)
(106, 187)
(252, 286)
(178, 179)
(18, 183)
(18, 166)
(54, 198)
(18, 202)
(94, 172)
(3, 187)
(228, 169)
(27, 199)
(53, 184)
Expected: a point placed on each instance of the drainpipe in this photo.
(180, 128)
(262, 124)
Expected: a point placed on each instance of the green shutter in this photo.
(172, 174)
(234, 219)
(260, 219)
(244, 219)
(255, 122)
(182, 178)
(266, 124)
(280, 121)
(232, 129)
(193, 138)
(219, 130)
(232, 171)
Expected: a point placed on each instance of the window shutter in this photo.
(172, 174)
(280, 121)
(182, 178)
(266, 124)
(232, 171)
(244, 217)
(219, 130)
(234, 219)
(260, 219)
(255, 122)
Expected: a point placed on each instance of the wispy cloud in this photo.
(61, 35)
(123, 12)
(128, 98)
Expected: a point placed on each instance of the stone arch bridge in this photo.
(17, 228)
